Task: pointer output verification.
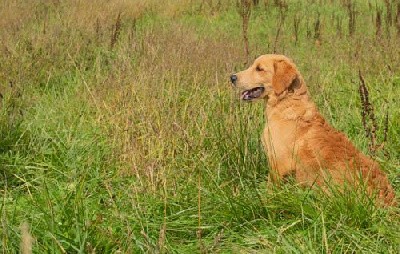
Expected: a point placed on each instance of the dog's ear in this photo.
(285, 77)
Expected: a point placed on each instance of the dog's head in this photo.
(270, 76)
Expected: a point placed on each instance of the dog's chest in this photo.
(279, 136)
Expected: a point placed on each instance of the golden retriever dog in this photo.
(298, 140)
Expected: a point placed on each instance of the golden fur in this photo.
(298, 140)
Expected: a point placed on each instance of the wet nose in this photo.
(233, 79)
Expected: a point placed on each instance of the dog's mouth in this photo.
(251, 94)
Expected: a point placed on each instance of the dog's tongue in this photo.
(246, 95)
(252, 94)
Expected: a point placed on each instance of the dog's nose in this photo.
(233, 79)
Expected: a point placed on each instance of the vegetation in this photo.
(120, 133)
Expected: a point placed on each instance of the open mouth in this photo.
(251, 94)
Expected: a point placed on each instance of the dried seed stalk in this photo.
(351, 10)
(283, 8)
(296, 26)
(378, 23)
(116, 31)
(245, 12)
(368, 115)
(398, 19)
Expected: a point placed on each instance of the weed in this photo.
(378, 24)
(245, 12)
(283, 8)
(116, 29)
(296, 27)
(317, 28)
(398, 19)
(369, 120)
(352, 14)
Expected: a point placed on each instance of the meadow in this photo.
(120, 132)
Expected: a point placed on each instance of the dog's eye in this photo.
(258, 68)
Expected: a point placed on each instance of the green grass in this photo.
(144, 147)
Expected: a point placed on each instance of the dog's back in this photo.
(326, 149)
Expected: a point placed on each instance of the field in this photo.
(120, 132)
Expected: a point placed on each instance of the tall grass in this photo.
(120, 132)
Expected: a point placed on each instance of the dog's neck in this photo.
(285, 103)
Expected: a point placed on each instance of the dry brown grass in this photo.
(154, 106)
